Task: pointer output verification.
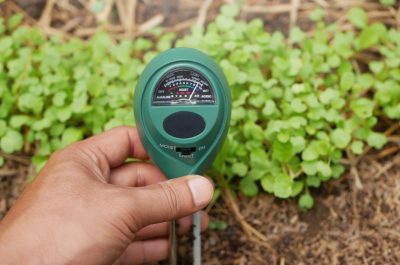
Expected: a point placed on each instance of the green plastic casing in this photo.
(160, 145)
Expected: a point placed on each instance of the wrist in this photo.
(16, 249)
(7, 255)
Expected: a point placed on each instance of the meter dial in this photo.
(183, 86)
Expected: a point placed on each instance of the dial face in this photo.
(183, 86)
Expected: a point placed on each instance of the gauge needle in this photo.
(191, 95)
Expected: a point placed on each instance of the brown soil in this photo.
(346, 226)
(13, 177)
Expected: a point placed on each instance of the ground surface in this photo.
(348, 225)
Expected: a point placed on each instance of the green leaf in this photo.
(253, 131)
(306, 201)
(42, 124)
(267, 183)
(3, 127)
(310, 153)
(14, 21)
(357, 17)
(259, 160)
(296, 35)
(39, 162)
(357, 147)
(110, 70)
(340, 138)
(298, 106)
(282, 151)
(224, 23)
(371, 35)
(63, 113)
(324, 169)
(57, 129)
(113, 123)
(334, 60)
(297, 122)
(230, 10)
(95, 86)
(282, 186)
(71, 135)
(217, 225)
(79, 103)
(309, 167)
(297, 187)
(317, 14)
(1, 161)
(376, 66)
(12, 141)
(387, 2)
(362, 107)
(269, 108)
(376, 140)
(337, 170)
(59, 98)
(298, 143)
(327, 96)
(142, 44)
(239, 169)
(313, 181)
(283, 136)
(322, 147)
(347, 81)
(256, 173)
(248, 187)
(17, 121)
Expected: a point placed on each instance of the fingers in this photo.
(184, 225)
(113, 147)
(154, 250)
(167, 200)
(136, 175)
(145, 252)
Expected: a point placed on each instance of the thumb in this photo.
(170, 199)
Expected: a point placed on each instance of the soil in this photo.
(348, 224)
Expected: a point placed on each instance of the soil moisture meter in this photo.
(182, 109)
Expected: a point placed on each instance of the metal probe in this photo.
(173, 244)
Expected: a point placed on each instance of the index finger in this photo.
(116, 145)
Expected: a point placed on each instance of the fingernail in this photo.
(202, 190)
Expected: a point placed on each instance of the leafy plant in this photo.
(298, 104)
(217, 225)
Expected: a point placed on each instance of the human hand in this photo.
(87, 207)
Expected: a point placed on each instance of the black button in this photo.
(185, 150)
(184, 124)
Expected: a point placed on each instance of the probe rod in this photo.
(172, 244)
(197, 238)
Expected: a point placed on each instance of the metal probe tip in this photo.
(173, 259)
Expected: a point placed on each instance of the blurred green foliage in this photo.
(299, 103)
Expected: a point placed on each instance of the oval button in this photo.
(184, 124)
